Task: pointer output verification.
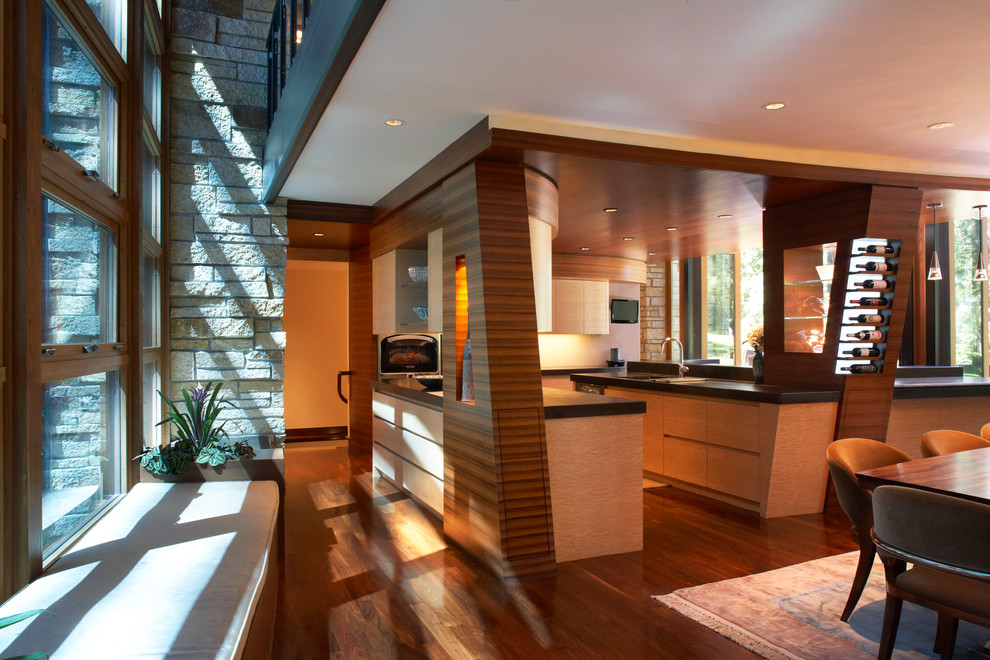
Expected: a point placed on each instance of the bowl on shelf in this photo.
(422, 312)
(430, 382)
(419, 273)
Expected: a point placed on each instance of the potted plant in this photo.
(197, 435)
(755, 339)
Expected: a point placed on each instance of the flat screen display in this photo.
(625, 311)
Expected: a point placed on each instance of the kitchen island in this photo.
(594, 455)
(758, 447)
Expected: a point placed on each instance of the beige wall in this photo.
(315, 324)
(564, 351)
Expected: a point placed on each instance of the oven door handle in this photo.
(340, 392)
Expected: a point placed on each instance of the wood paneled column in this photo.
(865, 212)
(496, 479)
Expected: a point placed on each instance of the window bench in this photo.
(174, 570)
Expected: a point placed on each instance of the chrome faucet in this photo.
(681, 369)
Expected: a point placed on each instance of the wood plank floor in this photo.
(367, 574)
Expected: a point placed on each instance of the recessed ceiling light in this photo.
(585, 249)
(775, 105)
(651, 254)
(611, 209)
(725, 216)
(940, 125)
(317, 234)
(629, 238)
(395, 122)
(671, 228)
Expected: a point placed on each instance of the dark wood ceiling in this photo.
(650, 197)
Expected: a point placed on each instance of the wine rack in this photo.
(867, 306)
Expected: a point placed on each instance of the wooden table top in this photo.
(964, 474)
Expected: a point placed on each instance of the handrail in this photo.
(285, 32)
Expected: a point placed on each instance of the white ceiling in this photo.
(862, 80)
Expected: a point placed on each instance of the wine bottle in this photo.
(871, 351)
(861, 368)
(877, 267)
(872, 302)
(877, 249)
(867, 318)
(866, 335)
(880, 284)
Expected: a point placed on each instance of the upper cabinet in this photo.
(580, 307)
(408, 289)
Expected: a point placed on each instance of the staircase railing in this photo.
(289, 18)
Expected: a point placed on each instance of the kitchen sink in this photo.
(674, 380)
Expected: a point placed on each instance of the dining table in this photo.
(964, 474)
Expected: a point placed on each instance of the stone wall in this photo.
(228, 253)
(651, 321)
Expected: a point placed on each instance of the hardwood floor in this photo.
(367, 574)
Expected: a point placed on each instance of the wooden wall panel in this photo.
(496, 499)
(867, 211)
(363, 353)
(613, 269)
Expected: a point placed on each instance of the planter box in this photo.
(267, 465)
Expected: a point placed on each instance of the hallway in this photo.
(367, 574)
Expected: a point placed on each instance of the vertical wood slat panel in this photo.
(363, 352)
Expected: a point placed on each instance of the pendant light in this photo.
(934, 270)
(980, 272)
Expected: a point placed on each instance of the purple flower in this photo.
(199, 395)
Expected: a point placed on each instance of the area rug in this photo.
(792, 613)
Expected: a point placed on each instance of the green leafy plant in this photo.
(197, 434)
(17, 618)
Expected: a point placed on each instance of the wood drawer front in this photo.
(686, 461)
(413, 448)
(686, 418)
(422, 421)
(735, 425)
(734, 473)
(652, 426)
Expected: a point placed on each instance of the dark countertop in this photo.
(719, 389)
(941, 387)
(567, 371)
(557, 404)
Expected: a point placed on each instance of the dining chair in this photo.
(945, 539)
(949, 441)
(985, 432)
(845, 458)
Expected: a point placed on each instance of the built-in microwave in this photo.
(409, 354)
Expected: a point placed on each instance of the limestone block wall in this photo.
(227, 249)
(651, 322)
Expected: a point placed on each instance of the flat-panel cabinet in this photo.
(408, 292)
(652, 426)
(580, 307)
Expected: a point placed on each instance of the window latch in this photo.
(92, 175)
(48, 351)
(91, 348)
(51, 145)
(117, 196)
(118, 347)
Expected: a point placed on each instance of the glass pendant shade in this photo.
(980, 272)
(934, 270)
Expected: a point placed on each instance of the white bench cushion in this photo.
(173, 571)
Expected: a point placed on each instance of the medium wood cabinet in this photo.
(580, 307)
(652, 426)
(408, 293)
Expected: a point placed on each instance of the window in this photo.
(151, 191)
(152, 81)
(721, 302)
(152, 383)
(81, 450)
(150, 301)
(970, 303)
(751, 298)
(79, 109)
(78, 292)
(112, 15)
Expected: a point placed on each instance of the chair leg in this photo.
(945, 638)
(863, 568)
(891, 618)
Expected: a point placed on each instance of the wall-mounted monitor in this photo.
(624, 311)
